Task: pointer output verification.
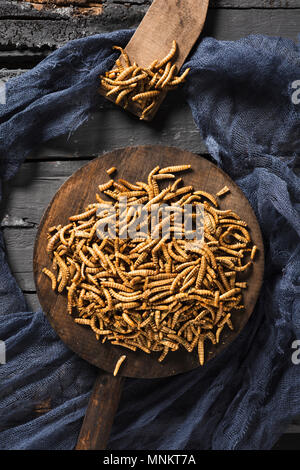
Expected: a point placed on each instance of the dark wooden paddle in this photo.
(133, 164)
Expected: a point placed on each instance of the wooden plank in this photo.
(28, 194)
(32, 301)
(234, 24)
(21, 59)
(6, 74)
(111, 128)
(227, 24)
(19, 246)
(42, 9)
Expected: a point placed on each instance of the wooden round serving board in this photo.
(134, 164)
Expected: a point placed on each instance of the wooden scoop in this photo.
(165, 21)
(75, 194)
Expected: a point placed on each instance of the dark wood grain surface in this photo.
(102, 407)
(28, 33)
(134, 164)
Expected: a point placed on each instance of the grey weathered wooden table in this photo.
(31, 30)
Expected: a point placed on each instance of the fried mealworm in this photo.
(253, 252)
(223, 191)
(83, 215)
(158, 77)
(169, 76)
(164, 76)
(118, 364)
(168, 57)
(145, 95)
(154, 294)
(179, 80)
(51, 276)
(174, 169)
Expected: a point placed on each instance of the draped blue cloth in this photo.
(243, 99)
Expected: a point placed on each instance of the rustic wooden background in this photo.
(30, 30)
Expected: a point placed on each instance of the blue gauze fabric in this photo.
(240, 96)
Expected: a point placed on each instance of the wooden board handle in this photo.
(166, 20)
(100, 413)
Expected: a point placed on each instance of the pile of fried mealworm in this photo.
(142, 86)
(152, 293)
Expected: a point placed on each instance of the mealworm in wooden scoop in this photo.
(149, 65)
